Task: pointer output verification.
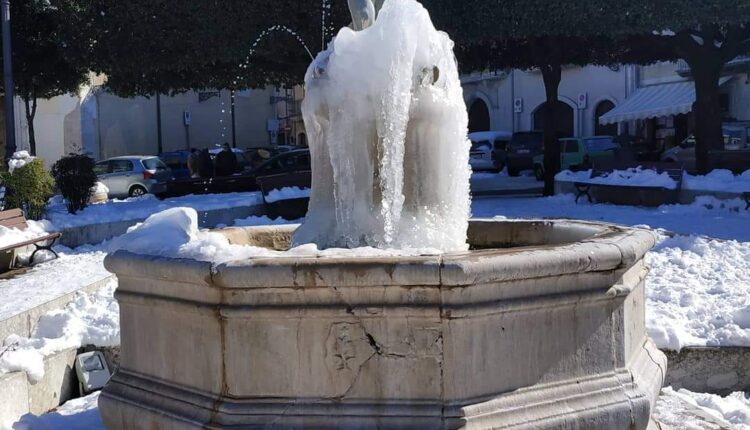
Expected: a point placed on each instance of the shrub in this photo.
(75, 178)
(28, 188)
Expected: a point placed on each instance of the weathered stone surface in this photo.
(547, 334)
(710, 370)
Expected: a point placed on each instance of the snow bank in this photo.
(635, 177)
(142, 207)
(91, 319)
(287, 193)
(76, 414)
(698, 293)
(262, 220)
(719, 181)
(732, 411)
(12, 236)
(174, 233)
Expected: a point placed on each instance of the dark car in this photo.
(177, 163)
(288, 162)
(522, 149)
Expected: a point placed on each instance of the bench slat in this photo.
(31, 241)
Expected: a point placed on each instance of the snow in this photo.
(90, 319)
(635, 177)
(76, 414)
(12, 236)
(698, 293)
(174, 233)
(139, 208)
(716, 181)
(698, 288)
(18, 160)
(719, 181)
(50, 280)
(722, 219)
(287, 193)
(262, 220)
(732, 411)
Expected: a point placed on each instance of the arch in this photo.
(479, 116)
(566, 123)
(302, 140)
(600, 109)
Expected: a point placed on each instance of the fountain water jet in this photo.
(539, 325)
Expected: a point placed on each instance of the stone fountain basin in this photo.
(540, 325)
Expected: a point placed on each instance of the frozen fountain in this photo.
(450, 323)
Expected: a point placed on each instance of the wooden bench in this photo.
(632, 195)
(290, 209)
(14, 218)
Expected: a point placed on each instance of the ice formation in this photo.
(387, 127)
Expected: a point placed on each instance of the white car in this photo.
(487, 149)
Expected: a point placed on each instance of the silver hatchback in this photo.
(133, 176)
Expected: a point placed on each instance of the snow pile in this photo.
(174, 233)
(76, 414)
(287, 193)
(719, 181)
(732, 411)
(91, 319)
(12, 236)
(698, 293)
(18, 160)
(140, 208)
(635, 177)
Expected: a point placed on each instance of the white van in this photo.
(488, 150)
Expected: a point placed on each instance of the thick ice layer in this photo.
(387, 127)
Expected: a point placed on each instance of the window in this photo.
(154, 164)
(570, 146)
(120, 166)
(175, 162)
(101, 168)
(600, 144)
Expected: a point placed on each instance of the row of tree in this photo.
(147, 47)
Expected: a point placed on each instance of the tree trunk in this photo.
(707, 110)
(31, 103)
(552, 74)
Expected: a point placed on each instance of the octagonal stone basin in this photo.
(539, 326)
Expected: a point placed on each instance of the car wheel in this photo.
(499, 167)
(137, 191)
(539, 173)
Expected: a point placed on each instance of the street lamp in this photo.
(10, 118)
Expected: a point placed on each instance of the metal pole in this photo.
(234, 124)
(10, 117)
(158, 124)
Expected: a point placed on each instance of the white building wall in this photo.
(499, 92)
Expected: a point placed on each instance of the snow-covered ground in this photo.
(731, 412)
(76, 414)
(142, 207)
(287, 193)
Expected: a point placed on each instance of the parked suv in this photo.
(133, 176)
(522, 149)
(578, 153)
(488, 150)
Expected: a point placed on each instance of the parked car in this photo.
(488, 150)
(176, 161)
(288, 162)
(133, 176)
(684, 153)
(522, 149)
(577, 153)
(243, 162)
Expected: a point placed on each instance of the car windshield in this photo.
(600, 144)
(528, 140)
(483, 145)
(154, 164)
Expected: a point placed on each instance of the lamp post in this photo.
(10, 118)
